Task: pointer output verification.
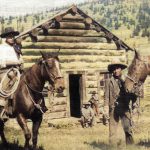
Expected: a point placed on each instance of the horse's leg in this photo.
(4, 141)
(35, 128)
(23, 124)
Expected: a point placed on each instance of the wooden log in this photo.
(71, 25)
(75, 18)
(59, 108)
(68, 39)
(91, 78)
(85, 65)
(55, 115)
(106, 52)
(63, 59)
(91, 84)
(88, 20)
(73, 65)
(59, 101)
(58, 18)
(72, 32)
(81, 58)
(73, 10)
(35, 32)
(28, 65)
(60, 45)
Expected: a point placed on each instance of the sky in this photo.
(20, 7)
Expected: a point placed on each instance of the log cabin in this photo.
(86, 49)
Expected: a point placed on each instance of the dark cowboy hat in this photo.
(9, 31)
(116, 63)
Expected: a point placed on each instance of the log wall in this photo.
(81, 50)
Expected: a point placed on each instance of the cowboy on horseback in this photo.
(10, 62)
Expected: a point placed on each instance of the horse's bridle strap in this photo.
(53, 78)
(135, 82)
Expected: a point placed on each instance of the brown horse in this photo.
(28, 99)
(137, 73)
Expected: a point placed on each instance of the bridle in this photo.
(134, 81)
(52, 77)
(136, 86)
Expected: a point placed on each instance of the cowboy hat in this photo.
(9, 31)
(116, 63)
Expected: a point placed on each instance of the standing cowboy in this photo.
(116, 104)
(10, 56)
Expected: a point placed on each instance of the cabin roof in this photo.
(90, 22)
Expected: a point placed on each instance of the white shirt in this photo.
(8, 56)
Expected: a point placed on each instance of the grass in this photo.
(66, 135)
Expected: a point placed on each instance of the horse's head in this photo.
(50, 70)
(137, 74)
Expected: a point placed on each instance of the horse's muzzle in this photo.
(59, 85)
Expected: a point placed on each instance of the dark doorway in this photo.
(75, 86)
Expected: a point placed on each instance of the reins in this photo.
(39, 92)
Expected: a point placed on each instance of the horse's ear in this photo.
(137, 54)
(43, 55)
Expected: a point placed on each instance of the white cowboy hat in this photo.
(116, 62)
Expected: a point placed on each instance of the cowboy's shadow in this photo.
(145, 143)
(16, 146)
(100, 145)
